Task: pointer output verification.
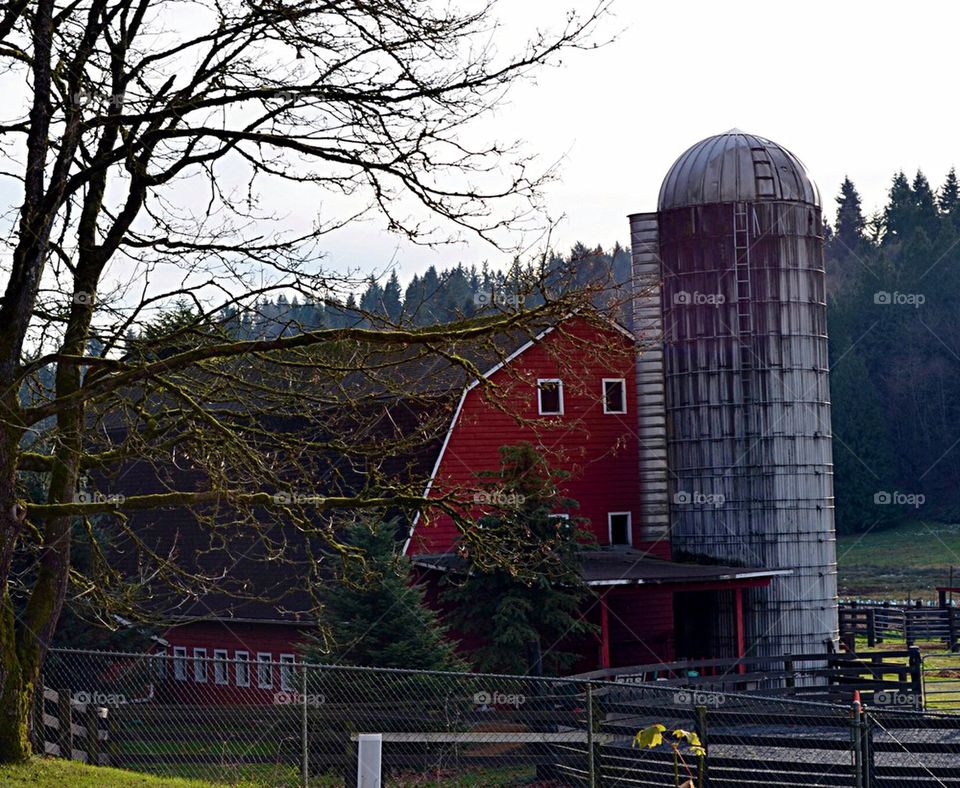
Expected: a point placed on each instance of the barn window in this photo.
(614, 395)
(619, 527)
(180, 663)
(264, 670)
(242, 668)
(286, 672)
(220, 666)
(550, 396)
(200, 665)
(160, 667)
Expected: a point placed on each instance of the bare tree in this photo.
(153, 137)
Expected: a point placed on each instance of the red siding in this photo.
(599, 450)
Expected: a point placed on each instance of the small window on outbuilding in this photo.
(200, 665)
(264, 670)
(614, 395)
(286, 672)
(242, 668)
(550, 396)
(220, 675)
(180, 663)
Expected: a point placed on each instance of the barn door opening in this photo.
(694, 624)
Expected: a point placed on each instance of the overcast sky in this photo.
(855, 88)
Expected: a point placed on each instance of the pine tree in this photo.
(523, 613)
(851, 224)
(925, 206)
(375, 615)
(949, 198)
(392, 303)
(371, 301)
(898, 216)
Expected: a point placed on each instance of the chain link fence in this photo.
(261, 722)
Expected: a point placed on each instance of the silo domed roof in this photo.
(736, 167)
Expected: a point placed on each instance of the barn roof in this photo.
(616, 566)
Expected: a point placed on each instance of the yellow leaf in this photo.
(649, 737)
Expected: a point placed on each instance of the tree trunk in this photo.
(16, 694)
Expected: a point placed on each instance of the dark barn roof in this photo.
(610, 567)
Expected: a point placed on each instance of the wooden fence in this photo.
(69, 728)
(878, 622)
(831, 678)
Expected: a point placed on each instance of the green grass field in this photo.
(56, 772)
(899, 563)
(53, 772)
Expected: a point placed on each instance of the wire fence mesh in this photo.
(264, 722)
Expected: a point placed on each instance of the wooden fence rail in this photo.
(823, 677)
(69, 728)
(878, 622)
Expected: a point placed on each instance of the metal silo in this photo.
(745, 381)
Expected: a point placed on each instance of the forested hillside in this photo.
(894, 321)
(444, 295)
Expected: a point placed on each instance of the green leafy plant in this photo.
(687, 743)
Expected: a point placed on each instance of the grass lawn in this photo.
(57, 772)
(39, 772)
(908, 561)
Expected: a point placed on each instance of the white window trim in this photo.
(161, 666)
(559, 516)
(180, 670)
(200, 661)
(559, 383)
(265, 658)
(287, 661)
(220, 666)
(623, 389)
(241, 658)
(610, 516)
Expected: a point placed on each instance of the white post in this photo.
(369, 751)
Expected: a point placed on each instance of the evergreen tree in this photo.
(375, 615)
(522, 614)
(851, 225)
(392, 304)
(949, 198)
(371, 301)
(898, 216)
(925, 206)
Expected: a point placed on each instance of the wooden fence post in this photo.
(871, 627)
(916, 673)
(93, 735)
(65, 721)
(704, 736)
(856, 739)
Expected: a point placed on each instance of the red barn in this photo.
(571, 392)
